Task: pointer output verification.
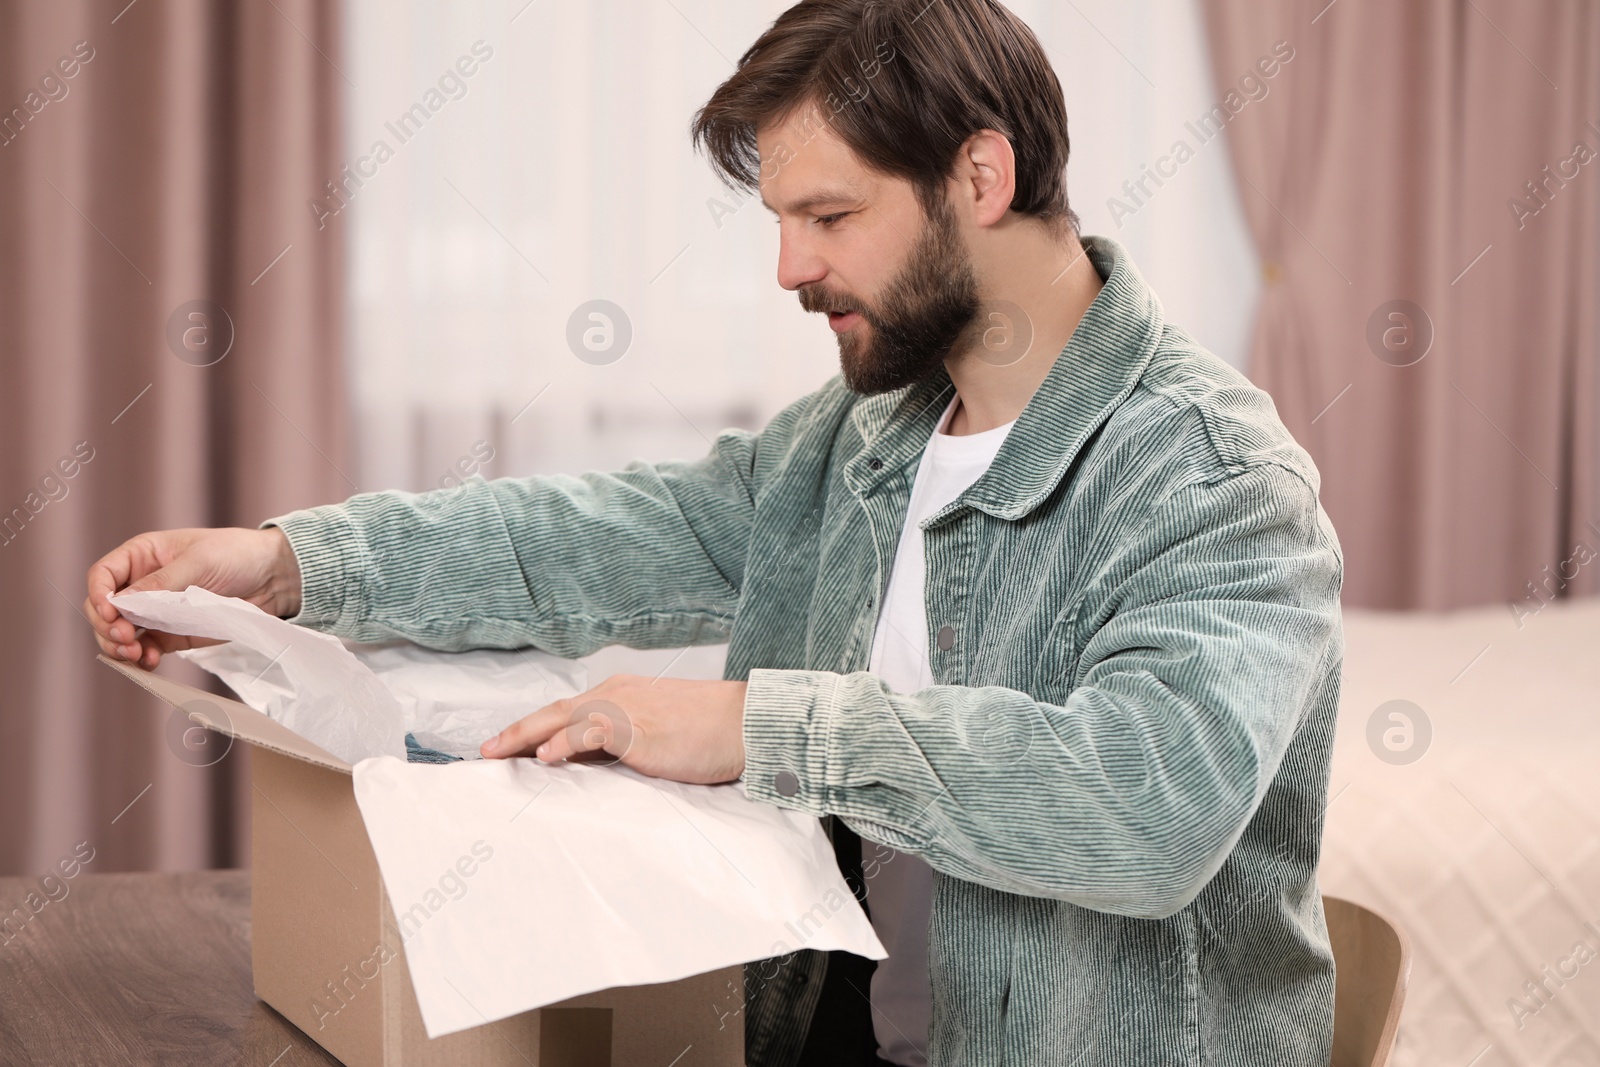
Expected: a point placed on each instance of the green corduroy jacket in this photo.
(1120, 775)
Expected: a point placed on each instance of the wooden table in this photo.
(138, 969)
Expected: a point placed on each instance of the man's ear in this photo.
(987, 168)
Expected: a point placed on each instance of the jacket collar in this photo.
(1098, 368)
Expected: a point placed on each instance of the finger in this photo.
(146, 647)
(106, 575)
(129, 649)
(106, 578)
(560, 745)
(120, 650)
(102, 628)
(139, 653)
(601, 728)
(526, 734)
(586, 737)
(100, 612)
(130, 642)
(109, 647)
(143, 654)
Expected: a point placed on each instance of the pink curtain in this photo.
(170, 326)
(1422, 184)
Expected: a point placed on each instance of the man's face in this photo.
(897, 284)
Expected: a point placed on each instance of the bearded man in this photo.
(1034, 604)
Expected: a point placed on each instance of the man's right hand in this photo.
(254, 565)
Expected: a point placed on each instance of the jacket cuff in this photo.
(788, 723)
(328, 552)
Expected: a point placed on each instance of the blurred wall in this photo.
(560, 172)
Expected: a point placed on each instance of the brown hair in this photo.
(903, 83)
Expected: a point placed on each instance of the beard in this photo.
(917, 321)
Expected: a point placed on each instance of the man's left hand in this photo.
(688, 731)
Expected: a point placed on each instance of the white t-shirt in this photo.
(900, 886)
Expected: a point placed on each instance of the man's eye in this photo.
(829, 220)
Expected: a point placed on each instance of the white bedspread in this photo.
(1487, 848)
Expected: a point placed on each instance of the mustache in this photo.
(814, 300)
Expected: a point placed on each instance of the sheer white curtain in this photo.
(519, 160)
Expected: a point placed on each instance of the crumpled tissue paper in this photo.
(582, 876)
(353, 699)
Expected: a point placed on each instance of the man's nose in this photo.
(797, 264)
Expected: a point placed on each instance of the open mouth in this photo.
(843, 320)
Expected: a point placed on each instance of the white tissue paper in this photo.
(585, 877)
(582, 876)
(455, 701)
(304, 679)
(450, 701)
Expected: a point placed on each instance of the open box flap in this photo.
(229, 717)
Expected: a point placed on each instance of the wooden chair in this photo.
(1372, 958)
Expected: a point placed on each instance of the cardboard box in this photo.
(325, 950)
